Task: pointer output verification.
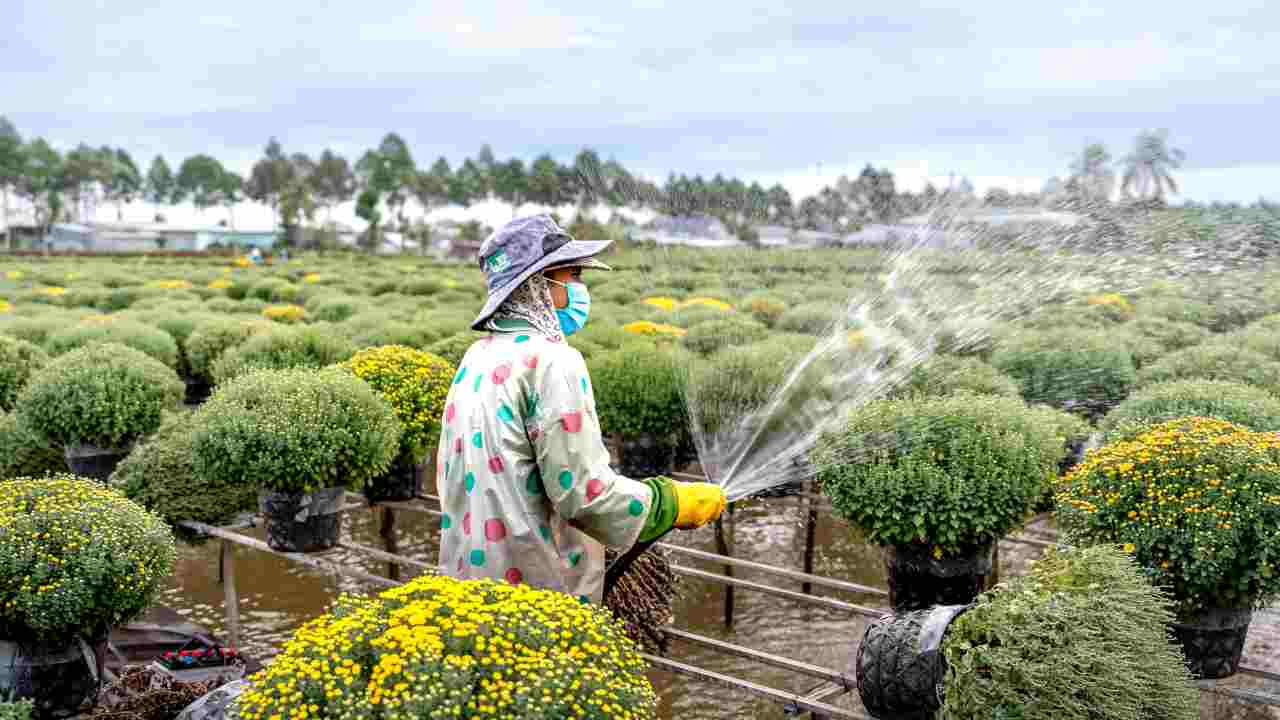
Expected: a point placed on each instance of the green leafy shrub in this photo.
(637, 392)
(1080, 637)
(726, 387)
(375, 329)
(421, 286)
(103, 395)
(24, 453)
(79, 558)
(207, 342)
(1163, 337)
(954, 473)
(152, 341)
(160, 475)
(274, 290)
(1071, 370)
(235, 307)
(415, 384)
(18, 360)
(34, 330)
(453, 347)
(295, 431)
(707, 337)
(17, 710)
(280, 348)
(1245, 405)
(537, 655)
(334, 308)
(810, 318)
(1214, 361)
(944, 375)
(1197, 503)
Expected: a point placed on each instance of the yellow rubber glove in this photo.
(697, 504)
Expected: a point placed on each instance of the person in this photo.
(255, 256)
(523, 474)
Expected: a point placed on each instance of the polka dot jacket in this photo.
(523, 474)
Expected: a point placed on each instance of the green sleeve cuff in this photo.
(662, 514)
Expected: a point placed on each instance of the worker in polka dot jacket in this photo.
(524, 477)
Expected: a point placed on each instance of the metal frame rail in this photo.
(833, 682)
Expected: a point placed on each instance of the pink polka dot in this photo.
(534, 434)
(466, 524)
(501, 373)
(514, 576)
(572, 420)
(531, 361)
(495, 464)
(495, 530)
(449, 413)
(457, 445)
(459, 565)
(595, 486)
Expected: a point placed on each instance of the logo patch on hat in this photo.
(497, 262)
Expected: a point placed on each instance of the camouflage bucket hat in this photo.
(526, 246)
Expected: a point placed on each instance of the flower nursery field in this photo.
(1107, 360)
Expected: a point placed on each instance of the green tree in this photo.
(367, 203)
(544, 181)
(297, 201)
(467, 185)
(511, 183)
(160, 185)
(124, 182)
(780, 205)
(230, 194)
(43, 182)
(1148, 170)
(270, 176)
(333, 181)
(12, 163)
(201, 177)
(487, 165)
(1093, 174)
(85, 171)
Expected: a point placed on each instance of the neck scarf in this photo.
(531, 302)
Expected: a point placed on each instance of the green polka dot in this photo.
(545, 532)
(533, 483)
(471, 481)
(584, 384)
(522, 338)
(566, 479)
(477, 558)
(505, 414)
(462, 372)
(478, 440)
(636, 508)
(446, 522)
(479, 379)
(584, 599)
(574, 559)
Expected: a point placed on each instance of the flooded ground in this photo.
(277, 596)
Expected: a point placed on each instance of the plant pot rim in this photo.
(82, 450)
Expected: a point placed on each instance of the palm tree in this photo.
(1148, 169)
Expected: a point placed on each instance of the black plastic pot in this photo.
(647, 455)
(302, 522)
(918, 580)
(401, 482)
(1213, 642)
(59, 679)
(198, 390)
(899, 665)
(93, 462)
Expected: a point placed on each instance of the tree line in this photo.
(386, 178)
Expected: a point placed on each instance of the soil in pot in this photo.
(918, 580)
(899, 665)
(647, 455)
(400, 482)
(94, 462)
(1213, 642)
(59, 679)
(302, 522)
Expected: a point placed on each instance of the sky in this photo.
(1005, 92)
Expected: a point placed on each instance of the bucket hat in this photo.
(525, 246)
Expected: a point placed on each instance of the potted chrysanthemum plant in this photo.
(415, 383)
